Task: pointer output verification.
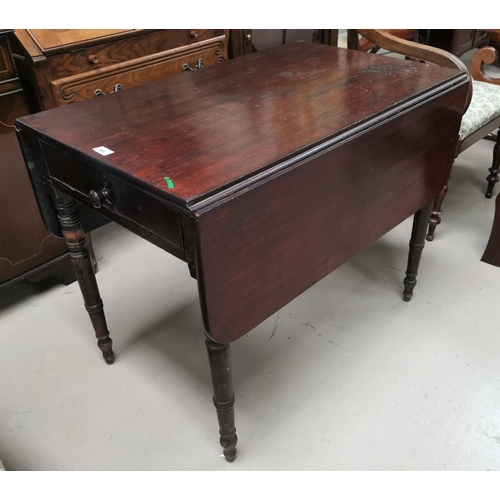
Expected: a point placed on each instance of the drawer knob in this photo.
(93, 59)
(193, 34)
(199, 65)
(100, 197)
(249, 36)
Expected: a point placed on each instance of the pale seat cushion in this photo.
(484, 107)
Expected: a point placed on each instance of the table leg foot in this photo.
(495, 168)
(219, 357)
(72, 230)
(417, 243)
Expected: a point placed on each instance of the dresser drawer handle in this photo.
(193, 34)
(199, 65)
(117, 88)
(93, 59)
(100, 197)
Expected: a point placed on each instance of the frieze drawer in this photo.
(115, 198)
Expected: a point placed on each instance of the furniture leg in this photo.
(219, 357)
(436, 212)
(417, 243)
(72, 230)
(492, 251)
(495, 168)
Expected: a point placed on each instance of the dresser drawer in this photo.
(130, 205)
(100, 56)
(137, 71)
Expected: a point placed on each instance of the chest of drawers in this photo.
(66, 66)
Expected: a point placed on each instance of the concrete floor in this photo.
(353, 378)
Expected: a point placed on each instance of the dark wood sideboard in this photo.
(27, 249)
(244, 42)
(456, 41)
(42, 69)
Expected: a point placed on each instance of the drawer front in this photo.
(130, 205)
(120, 51)
(138, 71)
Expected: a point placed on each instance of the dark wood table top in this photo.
(213, 132)
(265, 173)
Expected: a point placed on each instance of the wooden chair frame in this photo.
(485, 55)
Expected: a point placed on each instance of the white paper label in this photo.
(102, 150)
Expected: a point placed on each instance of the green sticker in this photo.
(170, 184)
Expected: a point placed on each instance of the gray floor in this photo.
(354, 378)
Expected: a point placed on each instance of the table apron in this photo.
(139, 211)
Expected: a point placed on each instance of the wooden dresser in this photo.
(65, 66)
(43, 69)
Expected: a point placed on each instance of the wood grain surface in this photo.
(49, 39)
(284, 164)
(208, 130)
(266, 246)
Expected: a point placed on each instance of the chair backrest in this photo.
(485, 55)
(357, 42)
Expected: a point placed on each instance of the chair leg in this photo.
(417, 243)
(219, 357)
(72, 230)
(495, 168)
(436, 212)
(492, 251)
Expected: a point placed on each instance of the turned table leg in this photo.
(417, 243)
(495, 168)
(72, 230)
(219, 357)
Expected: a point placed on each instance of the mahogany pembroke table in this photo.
(263, 174)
